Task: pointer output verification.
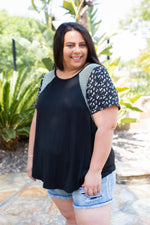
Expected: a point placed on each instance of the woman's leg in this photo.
(94, 216)
(66, 209)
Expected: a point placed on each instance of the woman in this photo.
(71, 134)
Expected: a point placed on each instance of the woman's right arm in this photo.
(31, 146)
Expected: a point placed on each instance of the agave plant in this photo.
(100, 41)
(73, 8)
(127, 105)
(17, 97)
(44, 6)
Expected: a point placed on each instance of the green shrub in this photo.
(127, 105)
(126, 96)
(17, 97)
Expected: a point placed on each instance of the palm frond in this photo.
(17, 103)
(6, 93)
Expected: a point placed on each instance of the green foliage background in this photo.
(138, 22)
(16, 26)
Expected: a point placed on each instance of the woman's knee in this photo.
(69, 216)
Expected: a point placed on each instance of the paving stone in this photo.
(23, 208)
(132, 151)
(121, 218)
(142, 208)
(12, 182)
(3, 178)
(141, 191)
(131, 205)
(8, 220)
(33, 192)
(6, 195)
(42, 219)
(123, 197)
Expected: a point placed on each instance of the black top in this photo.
(65, 131)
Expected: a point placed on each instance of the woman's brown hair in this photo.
(59, 43)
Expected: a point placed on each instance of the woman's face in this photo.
(75, 51)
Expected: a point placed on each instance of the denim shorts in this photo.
(81, 200)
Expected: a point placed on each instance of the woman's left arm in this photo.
(105, 121)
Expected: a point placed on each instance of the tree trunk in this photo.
(83, 15)
(83, 12)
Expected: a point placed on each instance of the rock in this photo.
(33, 192)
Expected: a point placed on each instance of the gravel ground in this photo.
(14, 161)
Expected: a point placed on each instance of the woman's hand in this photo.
(92, 183)
(29, 168)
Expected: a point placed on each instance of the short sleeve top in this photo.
(65, 130)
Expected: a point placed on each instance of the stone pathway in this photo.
(132, 150)
(25, 202)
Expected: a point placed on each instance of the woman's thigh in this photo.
(66, 208)
(94, 216)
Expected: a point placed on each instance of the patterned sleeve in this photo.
(101, 92)
(38, 92)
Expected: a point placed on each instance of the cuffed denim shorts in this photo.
(81, 200)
